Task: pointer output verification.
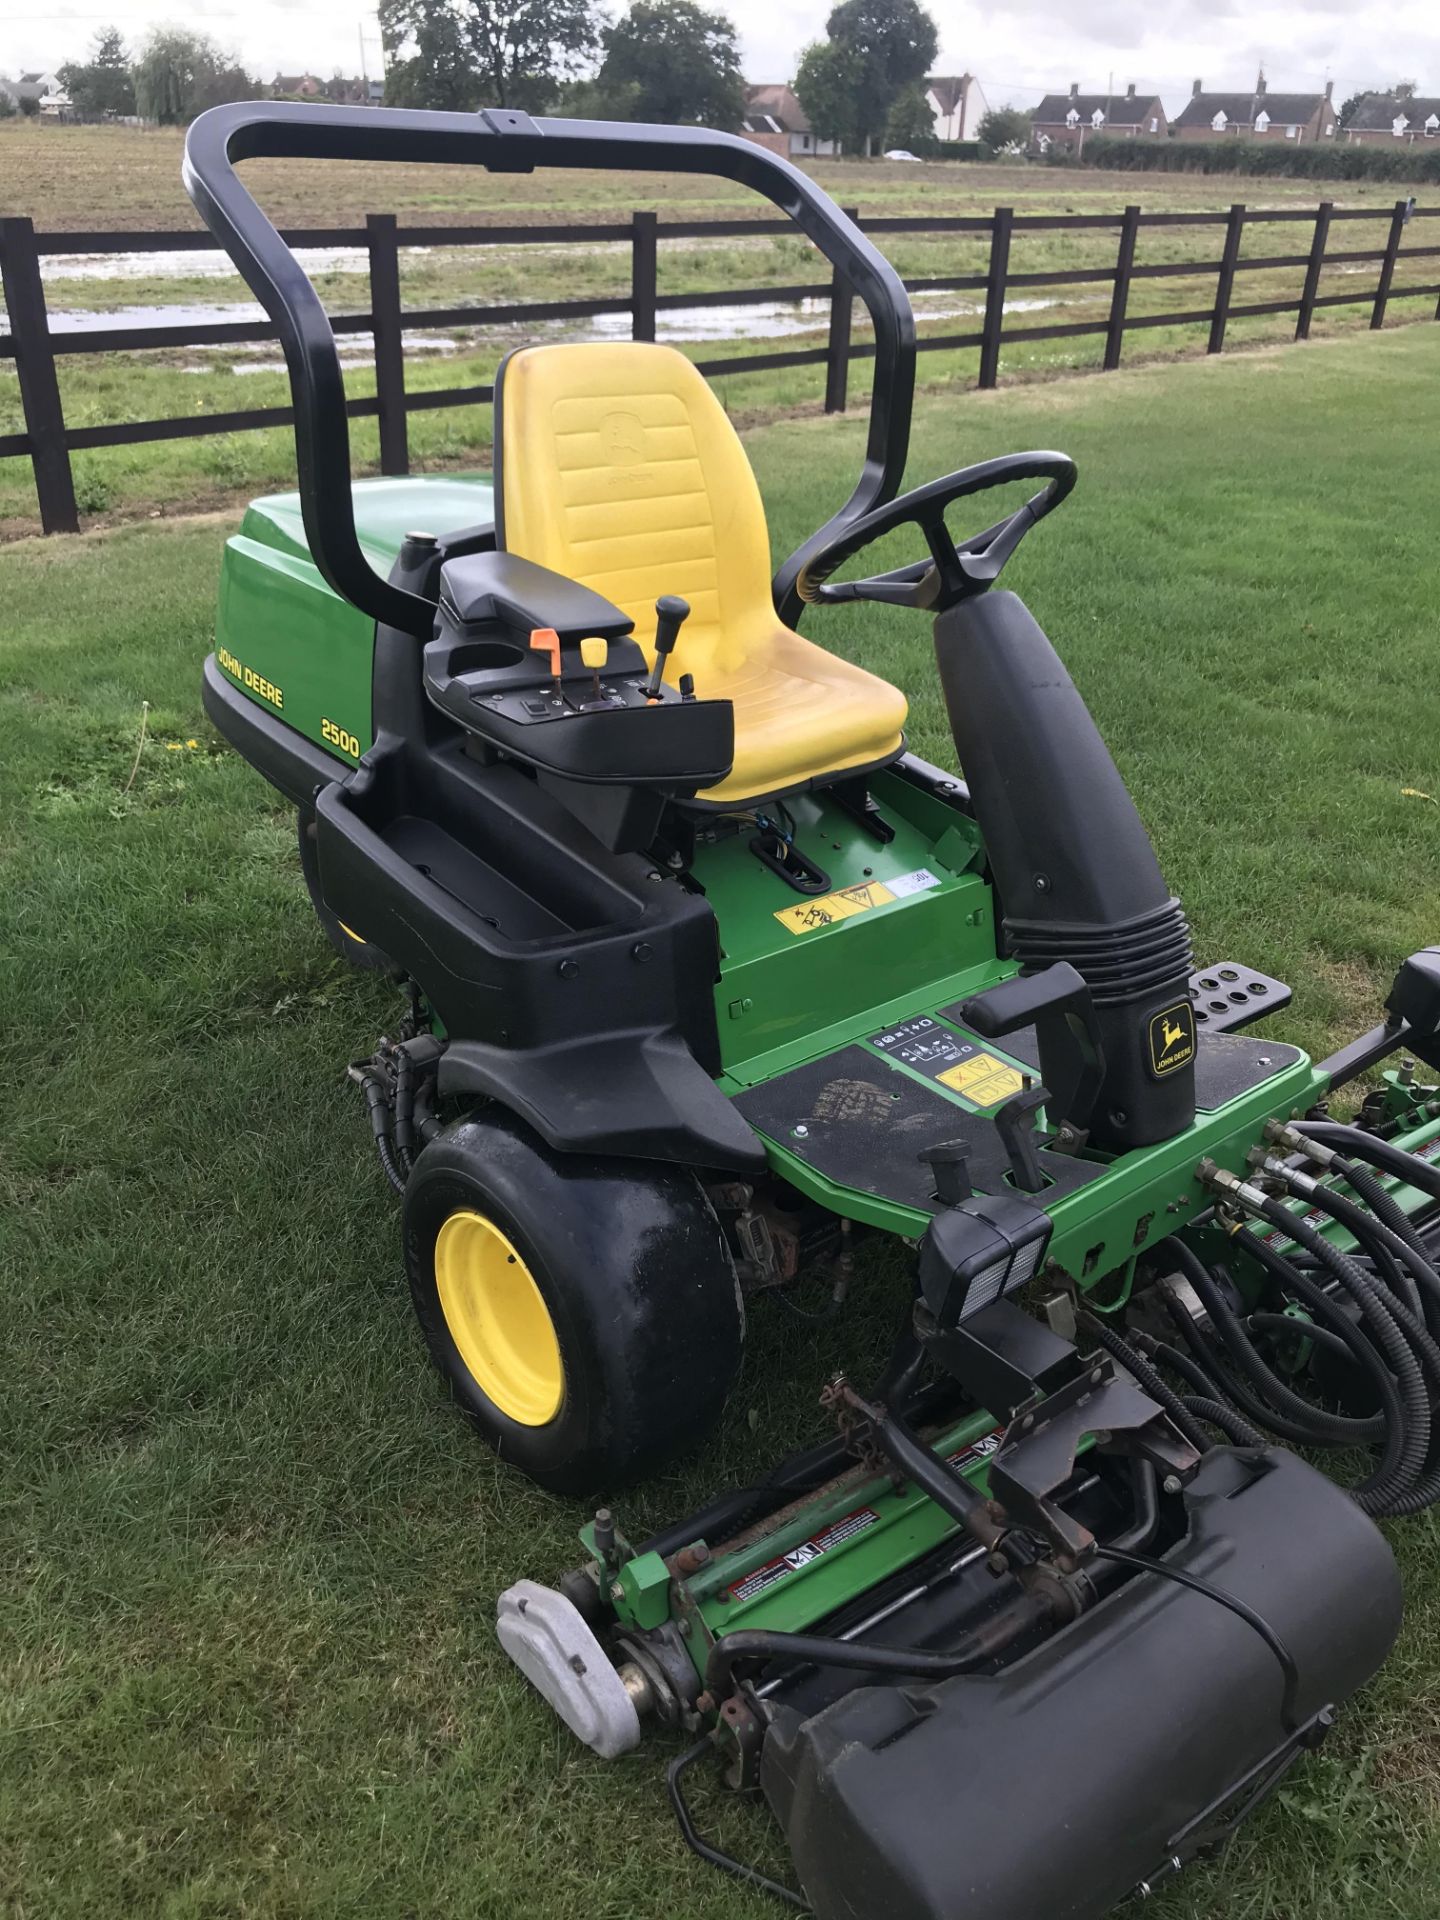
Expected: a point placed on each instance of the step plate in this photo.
(1228, 996)
(1226, 1064)
(863, 1121)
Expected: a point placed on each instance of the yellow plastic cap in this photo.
(595, 653)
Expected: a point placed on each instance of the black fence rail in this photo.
(47, 442)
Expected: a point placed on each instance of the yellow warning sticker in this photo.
(983, 1079)
(809, 914)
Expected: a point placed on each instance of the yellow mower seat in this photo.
(617, 466)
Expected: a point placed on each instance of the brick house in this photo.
(1065, 120)
(1260, 115)
(774, 119)
(957, 104)
(1385, 119)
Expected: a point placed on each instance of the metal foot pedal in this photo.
(1229, 996)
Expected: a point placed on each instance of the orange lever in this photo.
(547, 640)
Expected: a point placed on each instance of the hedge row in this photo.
(1328, 160)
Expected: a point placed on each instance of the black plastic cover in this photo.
(1055, 1787)
(522, 595)
(1415, 995)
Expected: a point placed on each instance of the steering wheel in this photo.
(953, 572)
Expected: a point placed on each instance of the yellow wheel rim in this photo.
(498, 1319)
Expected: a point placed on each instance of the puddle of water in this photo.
(768, 319)
(82, 320)
(175, 264)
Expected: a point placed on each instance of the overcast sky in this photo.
(1018, 48)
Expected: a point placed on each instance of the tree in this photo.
(101, 84)
(676, 64)
(29, 106)
(876, 49)
(911, 124)
(592, 100)
(1004, 130)
(504, 53)
(7, 102)
(828, 81)
(180, 74)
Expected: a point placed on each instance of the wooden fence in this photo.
(48, 443)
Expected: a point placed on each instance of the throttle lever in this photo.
(672, 612)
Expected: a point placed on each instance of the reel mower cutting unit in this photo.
(710, 978)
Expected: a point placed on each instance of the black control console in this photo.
(545, 671)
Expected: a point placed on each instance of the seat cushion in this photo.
(617, 466)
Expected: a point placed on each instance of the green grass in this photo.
(248, 1557)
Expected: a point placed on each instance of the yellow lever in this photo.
(595, 653)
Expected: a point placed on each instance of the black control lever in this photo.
(1056, 1002)
(949, 1161)
(672, 614)
(1015, 1124)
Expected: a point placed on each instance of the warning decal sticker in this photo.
(810, 914)
(983, 1079)
(952, 1059)
(835, 1535)
(761, 1579)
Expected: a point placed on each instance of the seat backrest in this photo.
(617, 466)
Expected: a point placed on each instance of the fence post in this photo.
(837, 346)
(642, 276)
(35, 369)
(1220, 314)
(995, 295)
(1120, 298)
(1387, 265)
(387, 331)
(1313, 269)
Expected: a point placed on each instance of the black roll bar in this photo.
(505, 142)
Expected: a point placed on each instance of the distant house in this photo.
(775, 119)
(1382, 119)
(1067, 120)
(1260, 115)
(957, 104)
(339, 89)
(44, 89)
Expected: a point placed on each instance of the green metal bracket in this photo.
(645, 1589)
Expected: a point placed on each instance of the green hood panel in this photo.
(287, 640)
(385, 511)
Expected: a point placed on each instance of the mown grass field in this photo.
(248, 1556)
(83, 177)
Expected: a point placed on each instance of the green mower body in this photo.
(710, 979)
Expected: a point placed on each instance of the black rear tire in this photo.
(634, 1270)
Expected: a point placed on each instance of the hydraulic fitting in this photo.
(1286, 1136)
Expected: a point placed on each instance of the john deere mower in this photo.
(708, 979)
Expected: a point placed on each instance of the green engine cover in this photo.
(290, 642)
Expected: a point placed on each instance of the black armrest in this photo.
(481, 588)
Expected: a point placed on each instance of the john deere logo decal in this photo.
(1172, 1040)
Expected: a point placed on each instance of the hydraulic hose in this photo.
(1386, 1317)
(1030, 1608)
(1379, 1153)
(1288, 1328)
(1235, 1429)
(1385, 1208)
(1361, 1348)
(1145, 1375)
(1291, 1416)
(1409, 1274)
